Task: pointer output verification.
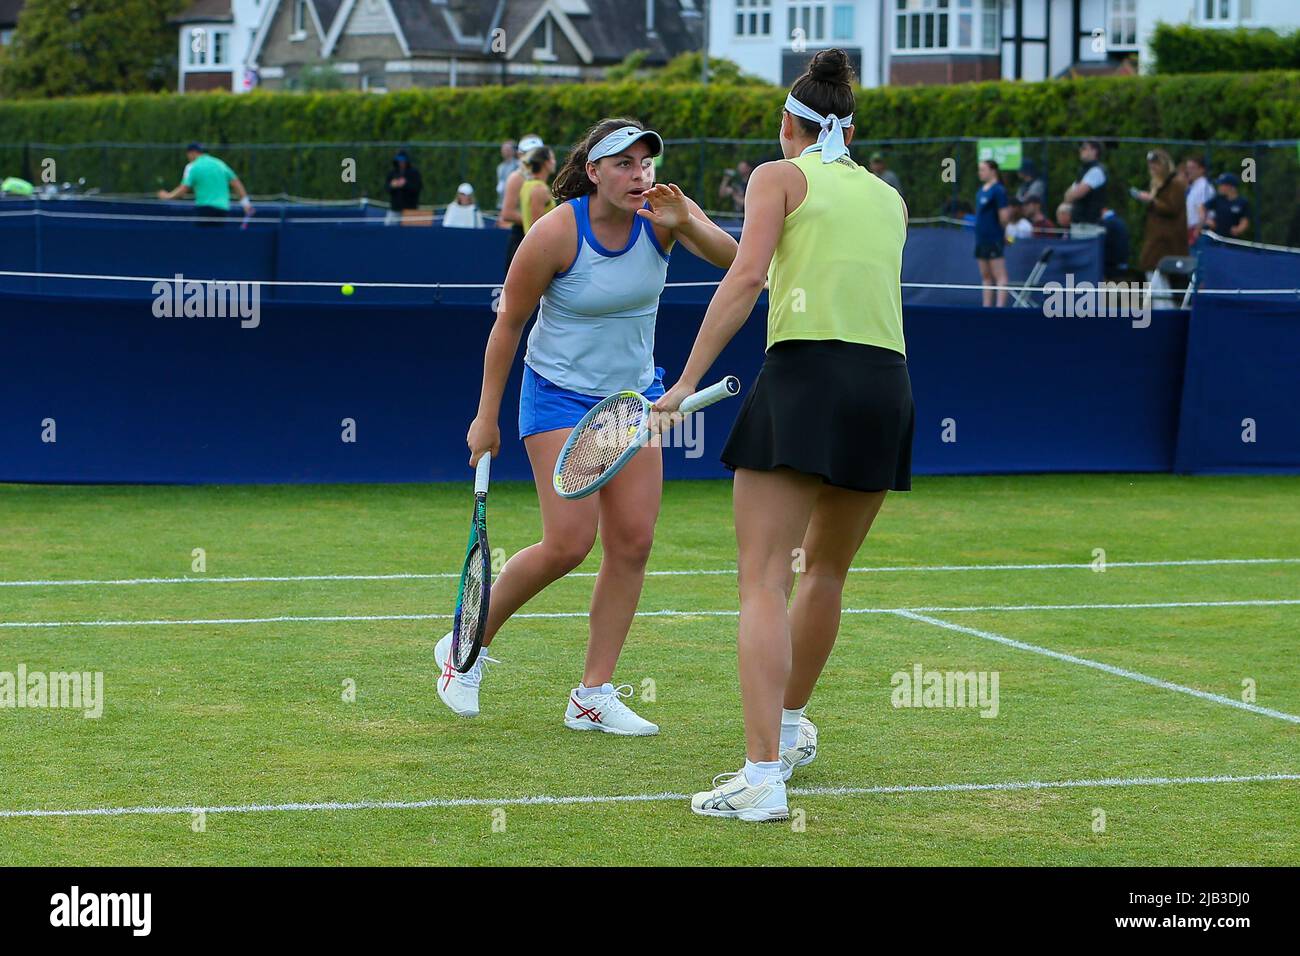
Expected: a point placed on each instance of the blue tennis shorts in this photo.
(545, 406)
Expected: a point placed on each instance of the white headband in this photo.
(831, 139)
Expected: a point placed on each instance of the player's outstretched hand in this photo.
(484, 437)
(667, 206)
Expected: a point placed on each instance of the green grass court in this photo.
(215, 696)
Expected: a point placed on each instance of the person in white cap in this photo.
(509, 217)
(826, 430)
(596, 265)
(464, 212)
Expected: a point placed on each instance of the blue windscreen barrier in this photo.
(1226, 265)
(107, 381)
(134, 397)
(946, 255)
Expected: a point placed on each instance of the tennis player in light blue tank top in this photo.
(595, 265)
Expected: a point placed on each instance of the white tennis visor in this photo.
(622, 139)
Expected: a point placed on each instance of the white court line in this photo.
(545, 615)
(1106, 668)
(251, 579)
(645, 797)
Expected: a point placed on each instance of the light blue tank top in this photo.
(595, 329)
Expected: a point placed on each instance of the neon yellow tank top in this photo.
(837, 266)
(525, 207)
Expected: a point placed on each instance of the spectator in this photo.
(1166, 223)
(404, 184)
(1228, 213)
(1063, 219)
(509, 217)
(509, 163)
(1087, 194)
(1115, 246)
(1199, 194)
(881, 169)
(1040, 226)
(1018, 227)
(957, 208)
(535, 199)
(991, 216)
(210, 180)
(464, 212)
(1031, 184)
(734, 183)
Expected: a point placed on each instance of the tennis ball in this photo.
(349, 289)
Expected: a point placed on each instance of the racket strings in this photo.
(602, 441)
(471, 605)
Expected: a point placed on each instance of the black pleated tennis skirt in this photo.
(839, 410)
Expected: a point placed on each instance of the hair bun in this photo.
(831, 66)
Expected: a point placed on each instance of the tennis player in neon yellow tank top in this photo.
(826, 430)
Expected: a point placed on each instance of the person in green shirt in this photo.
(210, 181)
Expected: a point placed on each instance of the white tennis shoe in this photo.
(734, 796)
(804, 750)
(459, 691)
(607, 713)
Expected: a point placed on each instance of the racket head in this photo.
(472, 596)
(603, 441)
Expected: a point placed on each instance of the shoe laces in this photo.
(614, 699)
(474, 676)
(720, 780)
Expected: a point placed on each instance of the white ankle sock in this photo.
(584, 691)
(790, 727)
(756, 773)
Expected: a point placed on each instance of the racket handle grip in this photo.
(481, 472)
(705, 397)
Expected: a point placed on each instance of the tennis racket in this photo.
(613, 431)
(475, 579)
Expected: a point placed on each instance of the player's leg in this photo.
(772, 509)
(839, 524)
(568, 533)
(629, 507)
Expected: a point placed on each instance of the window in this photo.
(1224, 11)
(6, 37)
(1121, 25)
(753, 18)
(843, 25)
(207, 48)
(299, 17)
(808, 17)
(544, 41)
(925, 26)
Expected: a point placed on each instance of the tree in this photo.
(74, 47)
(683, 68)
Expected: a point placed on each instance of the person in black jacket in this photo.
(404, 184)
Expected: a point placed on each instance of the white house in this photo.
(948, 41)
(215, 40)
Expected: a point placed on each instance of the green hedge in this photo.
(343, 125)
(1188, 49)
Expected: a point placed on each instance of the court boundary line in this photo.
(665, 612)
(1110, 669)
(449, 575)
(546, 800)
